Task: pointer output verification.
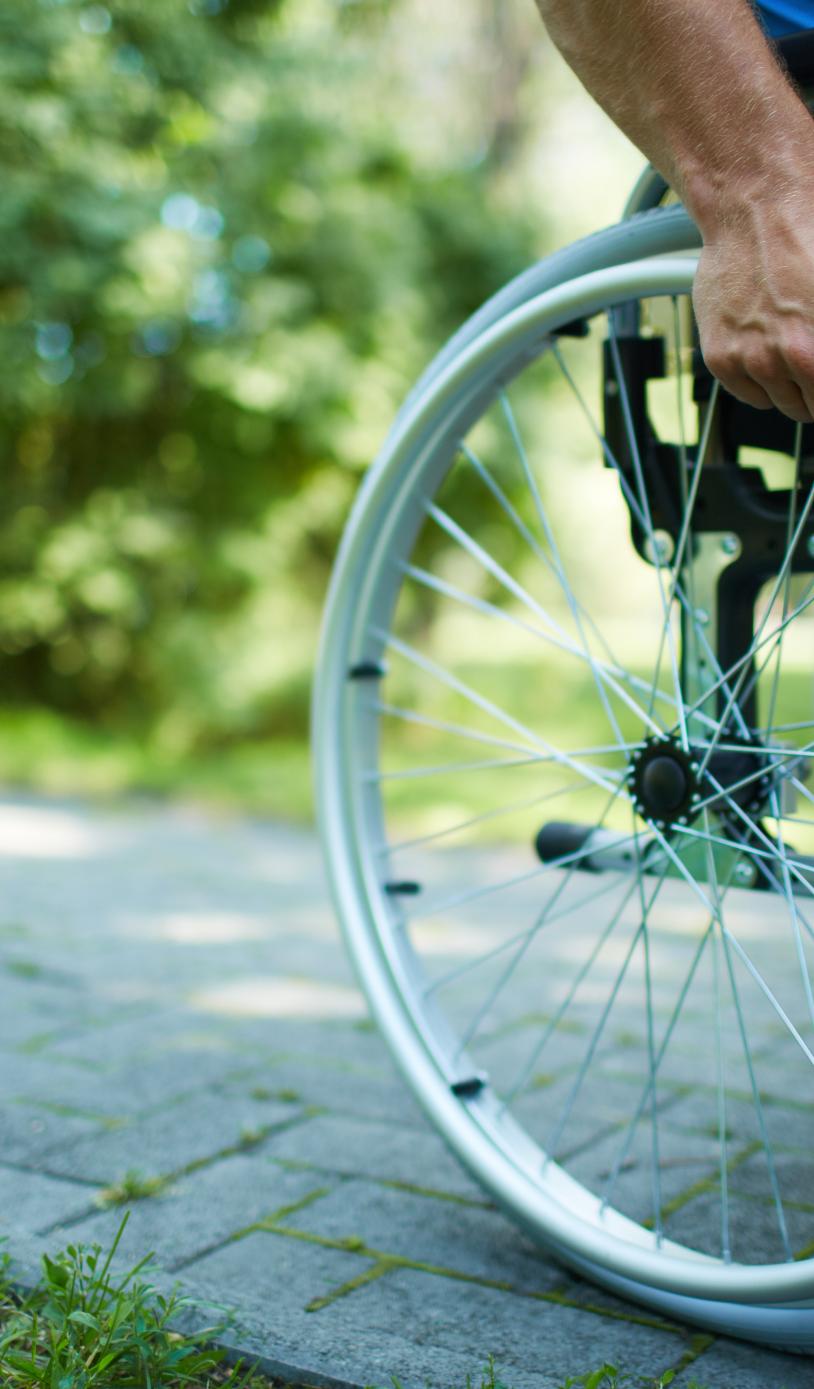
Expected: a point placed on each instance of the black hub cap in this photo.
(664, 782)
(664, 785)
(667, 785)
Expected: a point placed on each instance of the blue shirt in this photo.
(786, 16)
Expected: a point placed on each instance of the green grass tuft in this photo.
(80, 1328)
(285, 1096)
(133, 1186)
(250, 1137)
(609, 1377)
(24, 969)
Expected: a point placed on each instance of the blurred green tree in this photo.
(221, 262)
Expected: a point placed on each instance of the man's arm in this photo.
(695, 85)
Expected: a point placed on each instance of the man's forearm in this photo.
(695, 85)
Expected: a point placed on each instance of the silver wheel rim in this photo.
(558, 1208)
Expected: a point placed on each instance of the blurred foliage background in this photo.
(232, 233)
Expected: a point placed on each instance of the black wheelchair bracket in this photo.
(732, 497)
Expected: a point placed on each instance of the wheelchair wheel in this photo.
(563, 731)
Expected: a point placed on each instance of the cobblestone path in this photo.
(174, 999)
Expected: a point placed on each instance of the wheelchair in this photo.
(564, 732)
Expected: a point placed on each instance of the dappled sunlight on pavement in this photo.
(280, 998)
(38, 831)
(197, 928)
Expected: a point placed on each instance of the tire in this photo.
(442, 674)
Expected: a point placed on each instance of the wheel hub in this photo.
(664, 782)
(668, 784)
(740, 769)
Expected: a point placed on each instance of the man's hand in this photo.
(754, 301)
(696, 86)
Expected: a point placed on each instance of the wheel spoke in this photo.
(729, 943)
(411, 654)
(748, 780)
(798, 447)
(489, 764)
(764, 987)
(759, 856)
(737, 667)
(557, 562)
(753, 828)
(448, 768)
(655, 1165)
(745, 661)
(687, 605)
(473, 735)
(788, 892)
(453, 975)
(560, 641)
(633, 1123)
(495, 813)
(685, 534)
(470, 1030)
(571, 1099)
(519, 1084)
(574, 856)
(615, 667)
(644, 502)
(720, 1074)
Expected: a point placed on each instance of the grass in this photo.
(610, 1377)
(81, 1328)
(42, 750)
(45, 751)
(132, 1187)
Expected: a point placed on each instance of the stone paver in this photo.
(357, 1091)
(310, 1346)
(199, 1211)
(547, 1339)
(30, 1134)
(429, 1230)
(350, 1147)
(136, 1087)
(41, 1202)
(175, 1001)
(178, 1136)
(729, 1364)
